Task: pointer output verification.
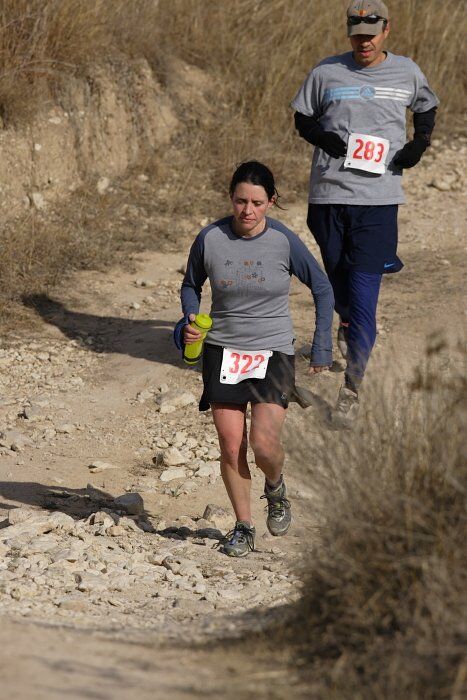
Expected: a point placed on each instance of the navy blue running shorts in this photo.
(276, 387)
(360, 238)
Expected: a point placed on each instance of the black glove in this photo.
(332, 144)
(311, 130)
(412, 152)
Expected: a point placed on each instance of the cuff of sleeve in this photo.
(320, 358)
(302, 109)
(178, 332)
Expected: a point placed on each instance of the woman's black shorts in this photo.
(276, 387)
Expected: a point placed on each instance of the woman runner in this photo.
(249, 259)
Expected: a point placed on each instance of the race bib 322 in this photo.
(238, 365)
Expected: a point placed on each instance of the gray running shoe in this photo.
(240, 541)
(346, 409)
(342, 339)
(279, 513)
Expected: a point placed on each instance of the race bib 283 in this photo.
(365, 152)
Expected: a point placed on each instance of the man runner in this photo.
(352, 108)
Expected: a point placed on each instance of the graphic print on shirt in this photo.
(365, 93)
(247, 276)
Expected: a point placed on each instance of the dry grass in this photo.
(37, 254)
(44, 41)
(86, 232)
(260, 52)
(384, 606)
(256, 53)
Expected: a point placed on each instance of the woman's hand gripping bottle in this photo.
(193, 352)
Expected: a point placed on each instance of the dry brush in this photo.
(384, 608)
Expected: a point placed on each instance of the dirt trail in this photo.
(113, 605)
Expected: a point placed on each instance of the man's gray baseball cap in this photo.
(362, 9)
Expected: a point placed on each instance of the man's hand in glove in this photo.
(412, 152)
(311, 130)
(331, 143)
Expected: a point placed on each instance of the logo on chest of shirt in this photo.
(367, 92)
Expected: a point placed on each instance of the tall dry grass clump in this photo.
(384, 606)
(44, 41)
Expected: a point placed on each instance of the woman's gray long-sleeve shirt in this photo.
(250, 283)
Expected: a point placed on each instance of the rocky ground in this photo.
(111, 498)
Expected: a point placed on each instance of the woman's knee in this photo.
(232, 450)
(264, 446)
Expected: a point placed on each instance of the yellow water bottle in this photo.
(192, 353)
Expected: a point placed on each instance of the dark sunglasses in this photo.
(370, 19)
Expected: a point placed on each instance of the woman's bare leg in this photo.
(267, 420)
(231, 429)
(265, 439)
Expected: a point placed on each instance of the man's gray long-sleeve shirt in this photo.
(250, 282)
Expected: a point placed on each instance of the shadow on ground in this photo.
(149, 339)
(79, 503)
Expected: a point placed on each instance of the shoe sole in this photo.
(279, 534)
(237, 556)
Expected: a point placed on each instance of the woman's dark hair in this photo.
(255, 173)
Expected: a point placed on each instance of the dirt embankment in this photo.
(97, 127)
